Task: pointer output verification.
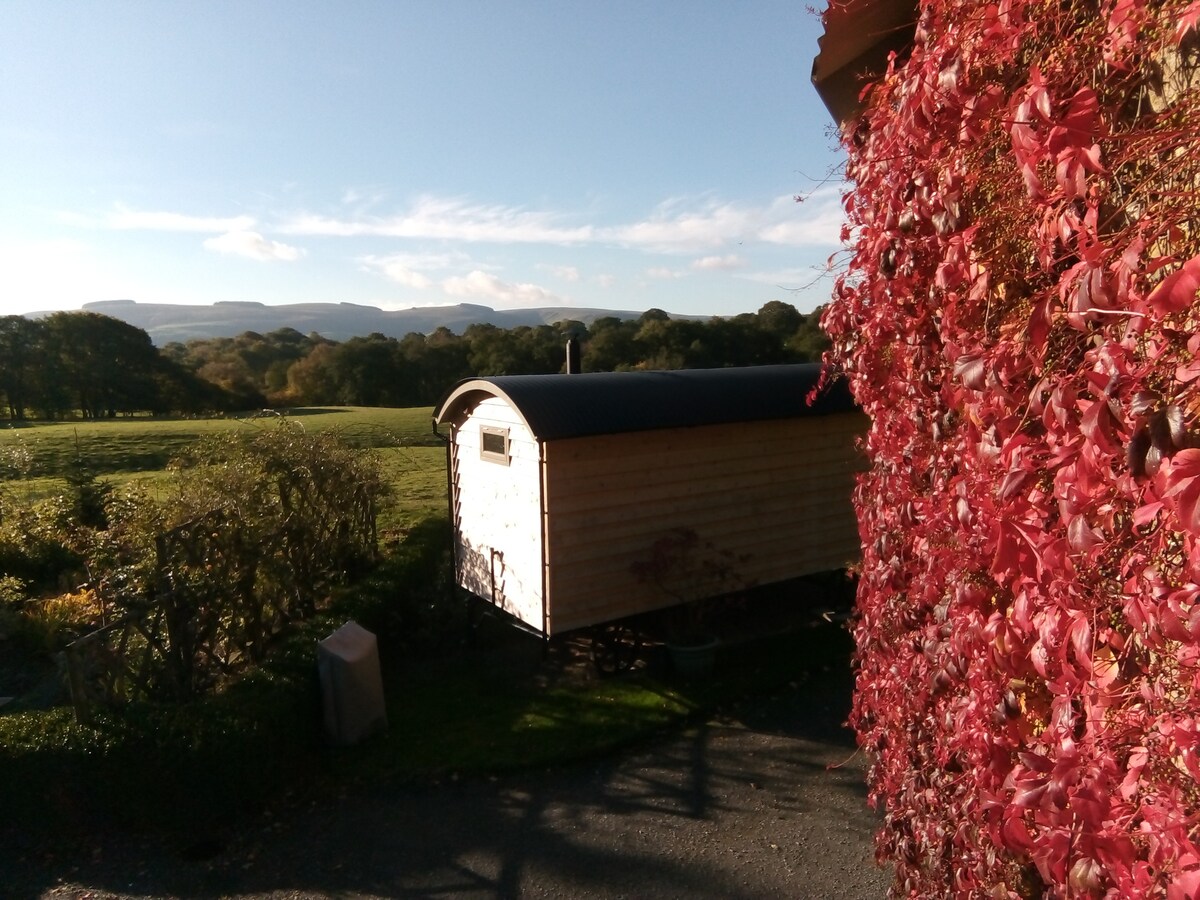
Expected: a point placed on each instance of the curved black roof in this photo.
(566, 406)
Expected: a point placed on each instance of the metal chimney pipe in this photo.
(574, 363)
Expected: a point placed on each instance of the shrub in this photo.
(1020, 321)
(197, 763)
(47, 625)
(38, 544)
(254, 533)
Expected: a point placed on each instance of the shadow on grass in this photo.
(301, 411)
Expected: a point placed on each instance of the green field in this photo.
(136, 450)
(136, 444)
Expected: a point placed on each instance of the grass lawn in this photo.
(135, 450)
(417, 476)
(137, 444)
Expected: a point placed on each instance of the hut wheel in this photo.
(615, 648)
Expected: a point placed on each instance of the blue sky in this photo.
(511, 154)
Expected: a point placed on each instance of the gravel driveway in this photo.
(743, 806)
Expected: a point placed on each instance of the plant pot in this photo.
(693, 660)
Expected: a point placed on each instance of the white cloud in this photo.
(362, 197)
(797, 278)
(425, 262)
(407, 277)
(719, 263)
(816, 221)
(448, 219)
(409, 269)
(663, 273)
(605, 281)
(126, 219)
(680, 226)
(790, 276)
(252, 245)
(486, 285)
(672, 230)
(566, 273)
(697, 225)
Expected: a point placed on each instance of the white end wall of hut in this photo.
(497, 512)
(777, 493)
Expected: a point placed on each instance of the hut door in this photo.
(496, 577)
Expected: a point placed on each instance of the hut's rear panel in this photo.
(497, 510)
(775, 494)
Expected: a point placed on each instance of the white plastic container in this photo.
(351, 685)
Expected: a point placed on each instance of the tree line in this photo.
(95, 366)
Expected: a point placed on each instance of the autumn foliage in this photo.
(1020, 321)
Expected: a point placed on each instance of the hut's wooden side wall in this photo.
(777, 493)
(497, 514)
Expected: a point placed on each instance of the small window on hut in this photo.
(493, 444)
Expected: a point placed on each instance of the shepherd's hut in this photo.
(560, 484)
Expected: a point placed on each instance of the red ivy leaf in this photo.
(1078, 125)
(1081, 536)
(1016, 834)
(1098, 426)
(1188, 372)
(1184, 886)
(1183, 488)
(1080, 634)
(1178, 290)
(971, 371)
(1143, 402)
(1012, 483)
(1029, 793)
(1188, 20)
(1144, 515)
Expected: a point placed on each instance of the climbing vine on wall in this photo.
(1020, 321)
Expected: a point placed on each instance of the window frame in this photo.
(499, 457)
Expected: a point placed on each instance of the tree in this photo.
(107, 365)
(515, 351)
(609, 346)
(370, 371)
(441, 358)
(21, 347)
(654, 314)
(780, 319)
(251, 365)
(810, 340)
(311, 380)
(666, 343)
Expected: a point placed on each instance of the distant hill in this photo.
(166, 322)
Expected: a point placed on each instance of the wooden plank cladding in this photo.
(617, 584)
(743, 445)
(775, 494)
